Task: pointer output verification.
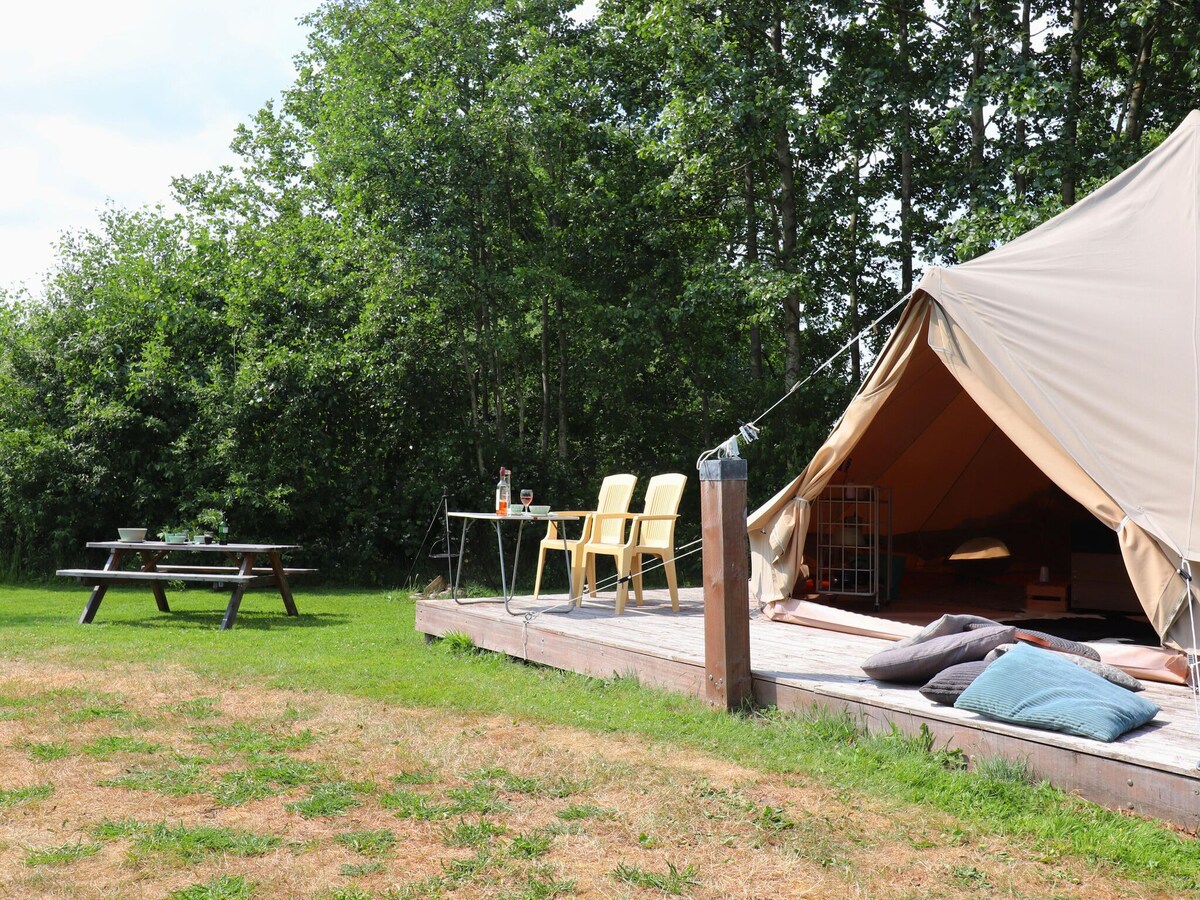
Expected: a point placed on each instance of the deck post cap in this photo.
(730, 469)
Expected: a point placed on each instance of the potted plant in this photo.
(174, 534)
(207, 523)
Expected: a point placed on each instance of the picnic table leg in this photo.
(150, 564)
(235, 599)
(281, 581)
(98, 590)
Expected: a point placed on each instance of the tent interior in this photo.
(953, 476)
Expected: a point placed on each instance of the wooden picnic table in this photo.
(240, 572)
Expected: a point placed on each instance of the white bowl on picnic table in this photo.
(132, 535)
(539, 510)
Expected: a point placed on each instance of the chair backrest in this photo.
(615, 493)
(663, 496)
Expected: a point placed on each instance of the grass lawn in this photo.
(339, 755)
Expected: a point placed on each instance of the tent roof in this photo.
(1092, 319)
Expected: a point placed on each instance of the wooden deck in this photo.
(1154, 771)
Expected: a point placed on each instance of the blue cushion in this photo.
(1038, 688)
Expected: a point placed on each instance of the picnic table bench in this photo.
(241, 575)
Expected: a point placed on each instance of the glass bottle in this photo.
(503, 492)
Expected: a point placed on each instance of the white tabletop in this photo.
(513, 517)
(214, 547)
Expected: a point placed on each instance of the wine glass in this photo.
(526, 498)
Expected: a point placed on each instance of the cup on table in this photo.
(526, 499)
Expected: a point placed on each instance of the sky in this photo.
(107, 102)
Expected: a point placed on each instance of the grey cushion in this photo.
(1028, 686)
(947, 624)
(996, 652)
(946, 686)
(917, 663)
(1060, 645)
(1108, 673)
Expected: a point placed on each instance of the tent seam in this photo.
(1195, 361)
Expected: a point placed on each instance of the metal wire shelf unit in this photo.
(854, 542)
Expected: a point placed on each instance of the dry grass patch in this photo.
(157, 788)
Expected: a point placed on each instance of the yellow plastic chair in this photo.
(615, 493)
(651, 532)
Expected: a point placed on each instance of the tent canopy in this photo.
(1068, 358)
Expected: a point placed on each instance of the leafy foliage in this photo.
(476, 233)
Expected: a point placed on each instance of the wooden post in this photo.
(726, 582)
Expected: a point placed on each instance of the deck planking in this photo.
(1153, 771)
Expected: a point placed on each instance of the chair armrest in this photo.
(634, 535)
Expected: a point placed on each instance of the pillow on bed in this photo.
(947, 685)
(1041, 689)
(917, 663)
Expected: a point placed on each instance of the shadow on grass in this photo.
(211, 620)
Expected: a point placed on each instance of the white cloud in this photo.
(109, 101)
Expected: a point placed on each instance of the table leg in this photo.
(512, 589)
(462, 543)
(150, 564)
(566, 563)
(235, 600)
(570, 572)
(503, 575)
(281, 581)
(98, 591)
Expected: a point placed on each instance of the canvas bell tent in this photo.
(1040, 393)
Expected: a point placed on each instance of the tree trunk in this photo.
(852, 311)
(756, 351)
(493, 356)
(787, 215)
(1135, 119)
(493, 363)
(975, 163)
(476, 437)
(1071, 118)
(560, 315)
(552, 221)
(906, 162)
(1020, 180)
(544, 443)
(519, 400)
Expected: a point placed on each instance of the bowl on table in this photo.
(132, 535)
(175, 537)
(539, 510)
